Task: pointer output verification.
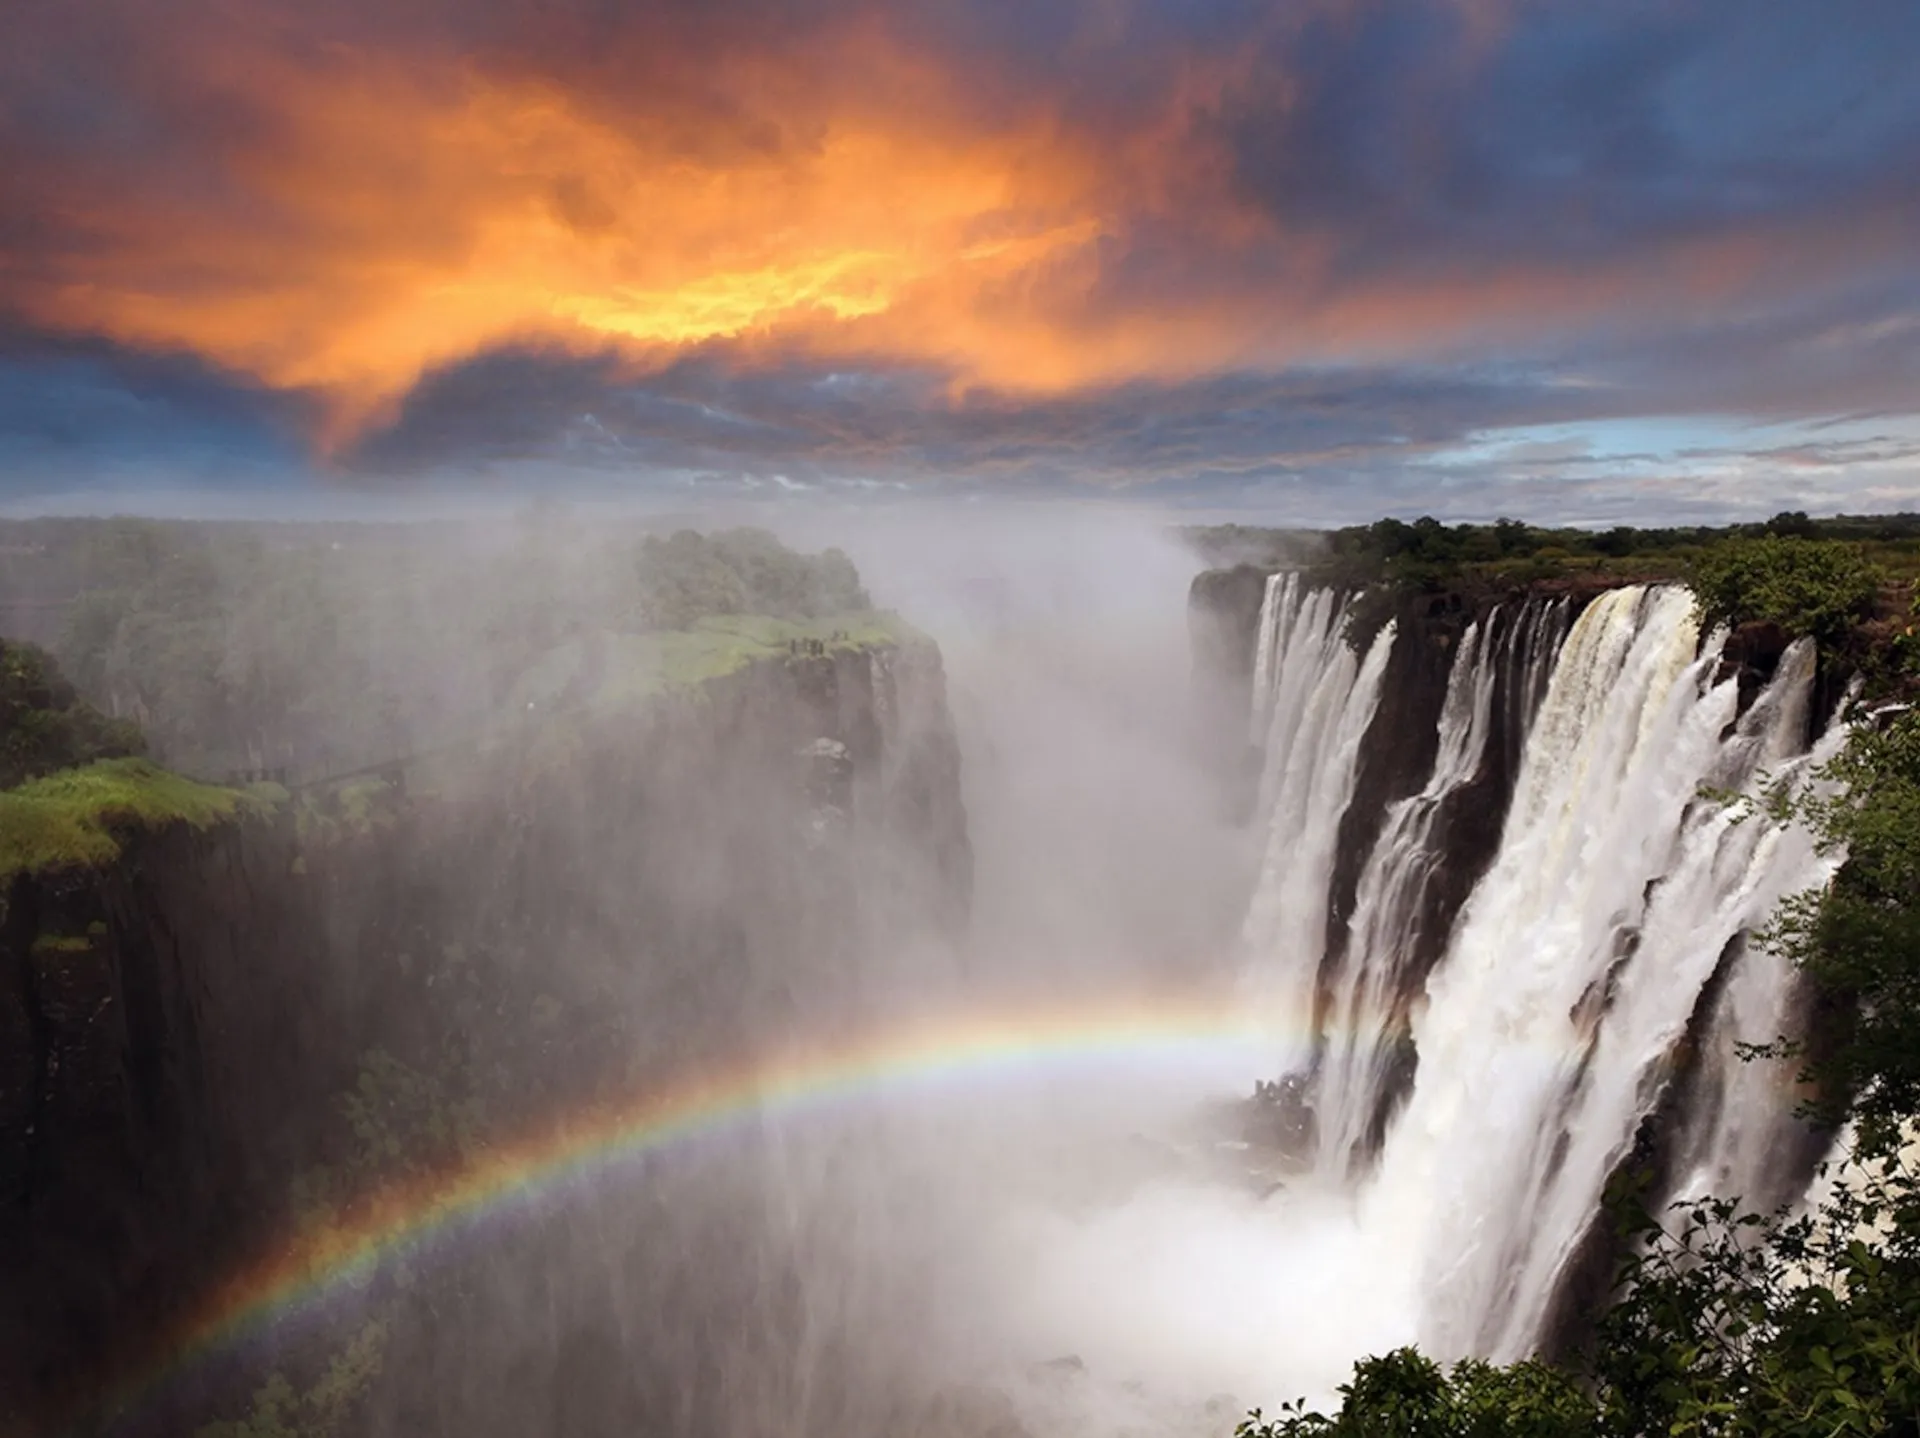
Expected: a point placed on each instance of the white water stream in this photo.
(1315, 700)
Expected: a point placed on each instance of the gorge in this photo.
(836, 1031)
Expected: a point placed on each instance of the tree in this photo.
(1806, 586)
(44, 726)
(1408, 1395)
(690, 576)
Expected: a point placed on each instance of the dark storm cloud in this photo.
(1579, 130)
(62, 399)
(705, 415)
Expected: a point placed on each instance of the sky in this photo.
(1304, 261)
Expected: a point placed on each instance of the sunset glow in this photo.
(1055, 212)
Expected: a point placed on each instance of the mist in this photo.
(534, 880)
(967, 972)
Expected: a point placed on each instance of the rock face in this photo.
(147, 1060)
(557, 918)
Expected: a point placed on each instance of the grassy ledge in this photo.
(624, 670)
(76, 818)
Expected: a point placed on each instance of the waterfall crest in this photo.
(1610, 925)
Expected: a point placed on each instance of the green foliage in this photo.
(1410, 1396)
(326, 649)
(398, 1120)
(76, 819)
(1781, 579)
(630, 669)
(43, 724)
(1806, 586)
(690, 576)
(1734, 1324)
(1728, 1325)
(1859, 938)
(404, 1118)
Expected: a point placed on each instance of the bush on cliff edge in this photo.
(1817, 587)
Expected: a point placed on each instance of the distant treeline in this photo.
(318, 647)
(1430, 553)
(1848, 581)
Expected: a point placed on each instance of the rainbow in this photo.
(515, 1177)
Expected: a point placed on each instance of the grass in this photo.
(77, 819)
(726, 643)
(628, 669)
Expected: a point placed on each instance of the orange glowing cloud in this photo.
(391, 226)
(341, 218)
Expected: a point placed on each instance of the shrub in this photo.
(1806, 586)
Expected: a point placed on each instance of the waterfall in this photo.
(1740, 1137)
(1577, 964)
(1366, 1015)
(1361, 1014)
(1609, 926)
(1315, 699)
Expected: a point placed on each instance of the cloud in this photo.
(1116, 241)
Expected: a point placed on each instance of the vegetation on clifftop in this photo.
(1427, 554)
(314, 651)
(687, 576)
(77, 818)
(1834, 579)
(1817, 587)
(327, 652)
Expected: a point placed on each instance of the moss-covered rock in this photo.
(78, 818)
(609, 670)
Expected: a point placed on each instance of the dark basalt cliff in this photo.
(559, 917)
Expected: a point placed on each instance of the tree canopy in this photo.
(44, 724)
(323, 648)
(1817, 587)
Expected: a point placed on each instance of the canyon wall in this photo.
(571, 911)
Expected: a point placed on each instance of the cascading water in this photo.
(1364, 1029)
(1315, 701)
(1741, 1124)
(1361, 1014)
(1548, 1030)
